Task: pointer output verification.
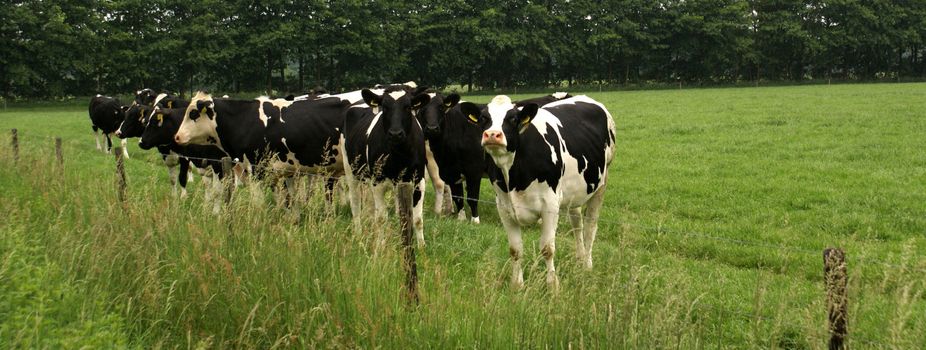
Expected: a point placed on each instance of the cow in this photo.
(383, 144)
(106, 113)
(545, 160)
(144, 97)
(136, 117)
(159, 132)
(455, 151)
(301, 136)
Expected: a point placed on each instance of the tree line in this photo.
(80, 47)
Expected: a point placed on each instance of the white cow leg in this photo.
(515, 244)
(575, 218)
(125, 148)
(218, 194)
(593, 206)
(434, 174)
(96, 135)
(548, 243)
(171, 169)
(418, 214)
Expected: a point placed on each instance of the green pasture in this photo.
(719, 205)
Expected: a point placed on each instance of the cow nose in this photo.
(177, 138)
(433, 129)
(118, 133)
(492, 136)
(397, 134)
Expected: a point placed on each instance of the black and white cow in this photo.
(454, 148)
(301, 136)
(136, 117)
(383, 145)
(159, 132)
(145, 97)
(544, 160)
(106, 114)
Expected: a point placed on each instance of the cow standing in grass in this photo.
(383, 145)
(545, 160)
(106, 114)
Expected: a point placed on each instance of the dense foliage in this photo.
(77, 47)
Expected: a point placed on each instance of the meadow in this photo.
(719, 205)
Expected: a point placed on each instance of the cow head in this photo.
(432, 115)
(501, 122)
(160, 128)
(399, 109)
(134, 123)
(199, 126)
(145, 97)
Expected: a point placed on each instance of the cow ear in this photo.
(125, 109)
(471, 111)
(372, 99)
(420, 90)
(527, 113)
(451, 101)
(420, 100)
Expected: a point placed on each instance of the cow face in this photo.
(501, 122)
(432, 115)
(144, 97)
(160, 128)
(135, 119)
(398, 111)
(199, 126)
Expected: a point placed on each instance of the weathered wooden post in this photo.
(15, 144)
(836, 279)
(58, 155)
(228, 175)
(404, 197)
(120, 173)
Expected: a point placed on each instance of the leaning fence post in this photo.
(227, 174)
(120, 173)
(15, 144)
(404, 197)
(836, 279)
(58, 155)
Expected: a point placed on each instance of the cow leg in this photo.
(515, 244)
(125, 149)
(96, 135)
(472, 198)
(550, 217)
(456, 193)
(182, 176)
(330, 183)
(109, 143)
(593, 206)
(575, 218)
(434, 174)
(418, 212)
(379, 199)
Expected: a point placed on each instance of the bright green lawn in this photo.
(719, 206)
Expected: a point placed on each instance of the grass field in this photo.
(719, 206)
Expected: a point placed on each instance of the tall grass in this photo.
(162, 272)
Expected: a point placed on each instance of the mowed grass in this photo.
(719, 205)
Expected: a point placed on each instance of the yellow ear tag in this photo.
(525, 121)
(373, 104)
(203, 111)
(170, 104)
(473, 118)
(160, 118)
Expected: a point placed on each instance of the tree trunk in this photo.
(282, 74)
(301, 75)
(269, 74)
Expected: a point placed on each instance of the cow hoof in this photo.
(462, 215)
(553, 282)
(476, 220)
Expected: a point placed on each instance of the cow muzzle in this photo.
(396, 136)
(180, 140)
(493, 138)
(119, 133)
(432, 130)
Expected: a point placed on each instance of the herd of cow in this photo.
(542, 155)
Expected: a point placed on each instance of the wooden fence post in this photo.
(15, 144)
(229, 176)
(120, 173)
(836, 279)
(404, 196)
(58, 155)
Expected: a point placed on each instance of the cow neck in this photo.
(240, 132)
